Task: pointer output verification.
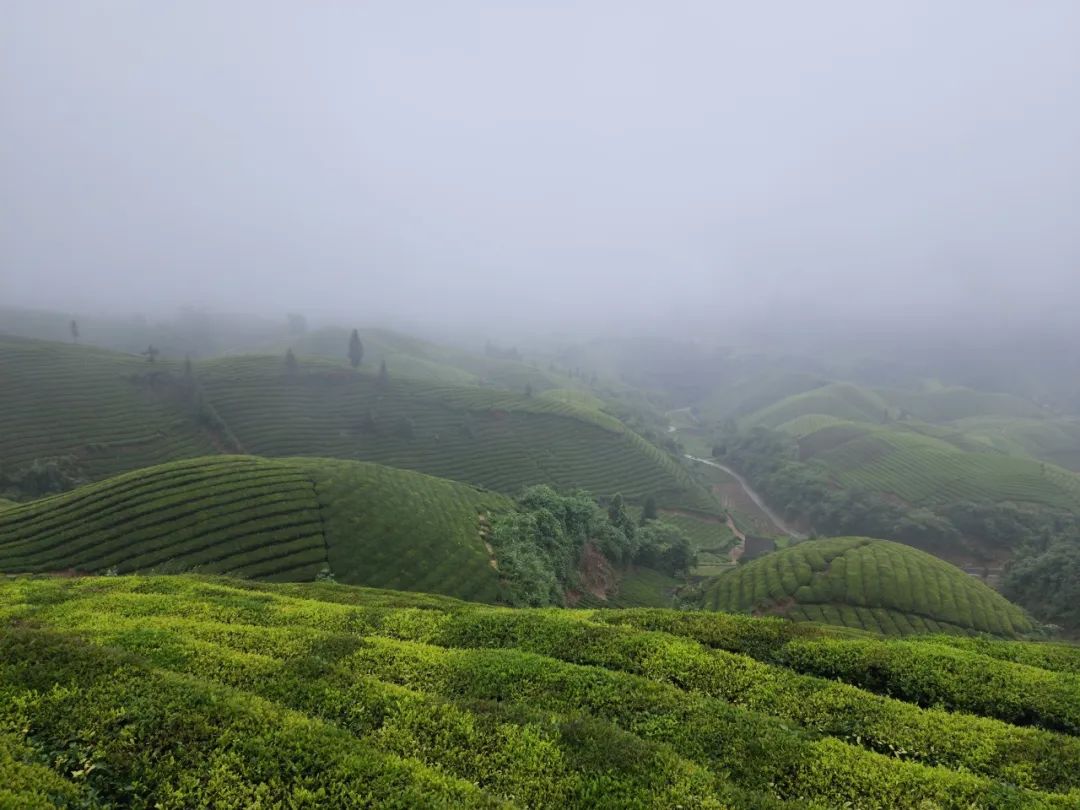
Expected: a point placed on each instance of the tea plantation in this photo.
(106, 413)
(924, 470)
(269, 519)
(112, 412)
(866, 584)
(194, 692)
(495, 439)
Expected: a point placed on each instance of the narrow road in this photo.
(775, 518)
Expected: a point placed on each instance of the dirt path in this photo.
(740, 549)
(758, 502)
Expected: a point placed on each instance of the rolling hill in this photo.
(1054, 440)
(838, 400)
(188, 691)
(495, 439)
(109, 413)
(288, 520)
(866, 584)
(924, 470)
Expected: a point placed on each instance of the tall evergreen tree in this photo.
(649, 510)
(291, 365)
(384, 375)
(74, 332)
(356, 349)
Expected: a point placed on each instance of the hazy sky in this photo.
(534, 163)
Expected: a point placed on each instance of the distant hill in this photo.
(107, 412)
(920, 469)
(496, 439)
(866, 584)
(112, 412)
(837, 400)
(288, 520)
(1054, 440)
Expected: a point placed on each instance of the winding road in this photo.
(775, 518)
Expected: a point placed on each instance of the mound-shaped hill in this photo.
(495, 439)
(183, 691)
(866, 584)
(935, 404)
(269, 519)
(110, 412)
(1053, 440)
(923, 469)
(838, 400)
(948, 403)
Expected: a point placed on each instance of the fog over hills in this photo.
(695, 169)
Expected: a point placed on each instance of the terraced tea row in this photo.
(866, 584)
(213, 694)
(491, 438)
(270, 519)
(112, 412)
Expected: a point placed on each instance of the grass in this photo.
(112, 412)
(496, 439)
(875, 585)
(188, 691)
(266, 519)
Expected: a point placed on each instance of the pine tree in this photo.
(649, 510)
(356, 349)
(291, 366)
(74, 332)
(384, 375)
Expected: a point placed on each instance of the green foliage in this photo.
(858, 480)
(185, 691)
(1048, 582)
(866, 584)
(663, 546)
(539, 546)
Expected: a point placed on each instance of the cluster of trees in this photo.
(804, 493)
(539, 545)
(43, 476)
(1045, 577)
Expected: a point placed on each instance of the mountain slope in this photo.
(187, 691)
(496, 439)
(110, 412)
(866, 584)
(106, 413)
(267, 519)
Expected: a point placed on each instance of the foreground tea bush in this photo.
(188, 691)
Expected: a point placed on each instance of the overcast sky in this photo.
(544, 163)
